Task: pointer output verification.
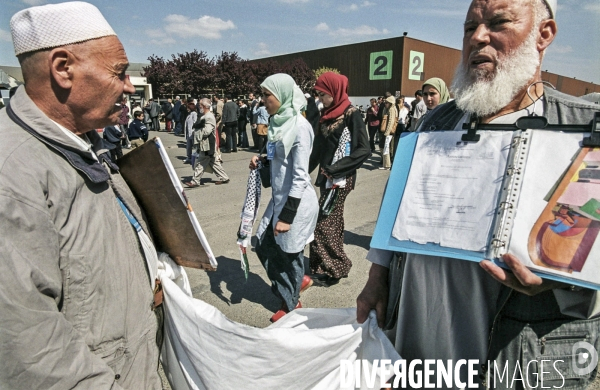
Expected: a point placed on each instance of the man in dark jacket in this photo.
(114, 135)
(312, 112)
(167, 109)
(177, 116)
(231, 112)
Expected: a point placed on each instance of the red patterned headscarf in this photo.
(335, 85)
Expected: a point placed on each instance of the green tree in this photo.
(324, 69)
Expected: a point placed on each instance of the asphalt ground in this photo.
(218, 209)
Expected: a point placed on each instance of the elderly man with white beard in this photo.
(453, 309)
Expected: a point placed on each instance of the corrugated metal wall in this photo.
(437, 61)
(570, 85)
(353, 61)
(405, 75)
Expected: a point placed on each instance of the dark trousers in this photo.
(399, 130)
(155, 124)
(178, 127)
(243, 136)
(372, 132)
(117, 152)
(254, 137)
(285, 270)
(230, 129)
(262, 140)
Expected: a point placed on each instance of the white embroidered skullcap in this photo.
(552, 4)
(55, 25)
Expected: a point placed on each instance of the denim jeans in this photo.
(285, 270)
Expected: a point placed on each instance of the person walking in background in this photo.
(206, 145)
(313, 114)
(167, 109)
(401, 127)
(190, 119)
(124, 124)
(154, 112)
(230, 124)
(341, 146)
(290, 217)
(176, 116)
(372, 122)
(390, 115)
(242, 123)
(262, 123)
(114, 135)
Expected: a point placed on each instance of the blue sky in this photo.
(261, 28)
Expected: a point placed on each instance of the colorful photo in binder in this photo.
(564, 234)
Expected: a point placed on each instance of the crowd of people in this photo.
(79, 312)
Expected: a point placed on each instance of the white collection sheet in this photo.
(205, 350)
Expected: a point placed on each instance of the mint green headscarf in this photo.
(282, 126)
(441, 87)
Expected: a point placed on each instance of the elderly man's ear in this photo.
(62, 68)
(548, 31)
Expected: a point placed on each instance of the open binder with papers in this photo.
(499, 189)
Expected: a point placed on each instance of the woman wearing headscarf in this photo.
(290, 218)
(435, 92)
(341, 146)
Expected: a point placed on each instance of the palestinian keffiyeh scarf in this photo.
(343, 150)
(249, 212)
(333, 185)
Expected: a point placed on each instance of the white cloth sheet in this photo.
(205, 350)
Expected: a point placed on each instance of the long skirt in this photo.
(327, 254)
(285, 270)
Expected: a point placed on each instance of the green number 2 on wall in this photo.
(381, 65)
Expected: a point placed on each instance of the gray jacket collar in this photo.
(23, 111)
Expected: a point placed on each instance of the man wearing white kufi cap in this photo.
(76, 288)
(452, 309)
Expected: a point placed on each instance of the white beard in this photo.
(482, 93)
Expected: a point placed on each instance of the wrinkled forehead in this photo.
(488, 9)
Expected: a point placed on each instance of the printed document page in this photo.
(452, 190)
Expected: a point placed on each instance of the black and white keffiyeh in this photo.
(249, 212)
(342, 151)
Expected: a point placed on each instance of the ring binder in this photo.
(534, 163)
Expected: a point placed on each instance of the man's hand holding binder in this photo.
(521, 278)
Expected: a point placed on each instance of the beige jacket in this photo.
(75, 295)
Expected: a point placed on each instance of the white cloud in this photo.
(5, 36)
(322, 27)
(156, 33)
(560, 49)
(594, 7)
(163, 42)
(262, 50)
(34, 2)
(207, 27)
(356, 7)
(363, 30)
